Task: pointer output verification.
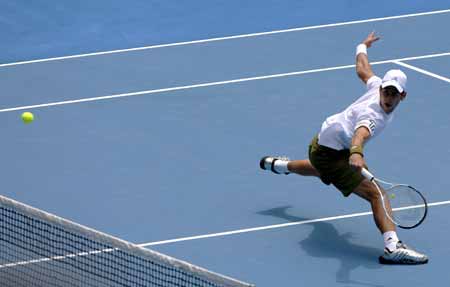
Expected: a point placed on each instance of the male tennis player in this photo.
(336, 154)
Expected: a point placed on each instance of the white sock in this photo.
(281, 166)
(390, 240)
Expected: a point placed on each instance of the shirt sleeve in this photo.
(373, 82)
(373, 123)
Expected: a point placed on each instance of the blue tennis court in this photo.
(160, 145)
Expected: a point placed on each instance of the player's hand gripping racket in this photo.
(409, 206)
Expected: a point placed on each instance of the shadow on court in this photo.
(326, 242)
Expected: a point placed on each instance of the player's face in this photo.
(390, 98)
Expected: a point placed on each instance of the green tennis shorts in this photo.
(333, 167)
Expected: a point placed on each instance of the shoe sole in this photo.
(389, 262)
(261, 162)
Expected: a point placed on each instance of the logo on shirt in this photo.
(372, 125)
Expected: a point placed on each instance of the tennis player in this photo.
(336, 154)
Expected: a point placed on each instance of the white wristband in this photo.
(361, 48)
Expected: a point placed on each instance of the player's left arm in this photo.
(356, 160)
(363, 68)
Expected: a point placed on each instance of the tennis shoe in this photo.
(268, 163)
(403, 255)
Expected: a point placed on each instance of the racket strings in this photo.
(408, 207)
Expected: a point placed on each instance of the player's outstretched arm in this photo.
(363, 68)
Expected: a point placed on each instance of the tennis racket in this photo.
(409, 206)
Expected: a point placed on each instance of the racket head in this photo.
(409, 206)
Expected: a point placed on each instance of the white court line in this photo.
(57, 258)
(280, 225)
(227, 38)
(139, 93)
(63, 257)
(423, 71)
(87, 253)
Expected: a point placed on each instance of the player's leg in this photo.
(282, 165)
(395, 251)
(368, 191)
(302, 167)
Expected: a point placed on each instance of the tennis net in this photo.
(40, 249)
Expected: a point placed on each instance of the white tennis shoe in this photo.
(268, 163)
(403, 255)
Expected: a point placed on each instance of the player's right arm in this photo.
(363, 68)
(356, 160)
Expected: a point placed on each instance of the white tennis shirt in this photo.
(337, 130)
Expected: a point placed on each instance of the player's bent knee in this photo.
(368, 191)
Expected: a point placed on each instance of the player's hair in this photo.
(390, 91)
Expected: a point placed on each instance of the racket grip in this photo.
(367, 174)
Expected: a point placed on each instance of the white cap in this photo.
(395, 78)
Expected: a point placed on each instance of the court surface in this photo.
(160, 146)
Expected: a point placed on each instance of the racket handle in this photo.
(367, 174)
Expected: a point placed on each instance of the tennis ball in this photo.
(27, 117)
(392, 196)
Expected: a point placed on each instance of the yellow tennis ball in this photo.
(392, 196)
(27, 117)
